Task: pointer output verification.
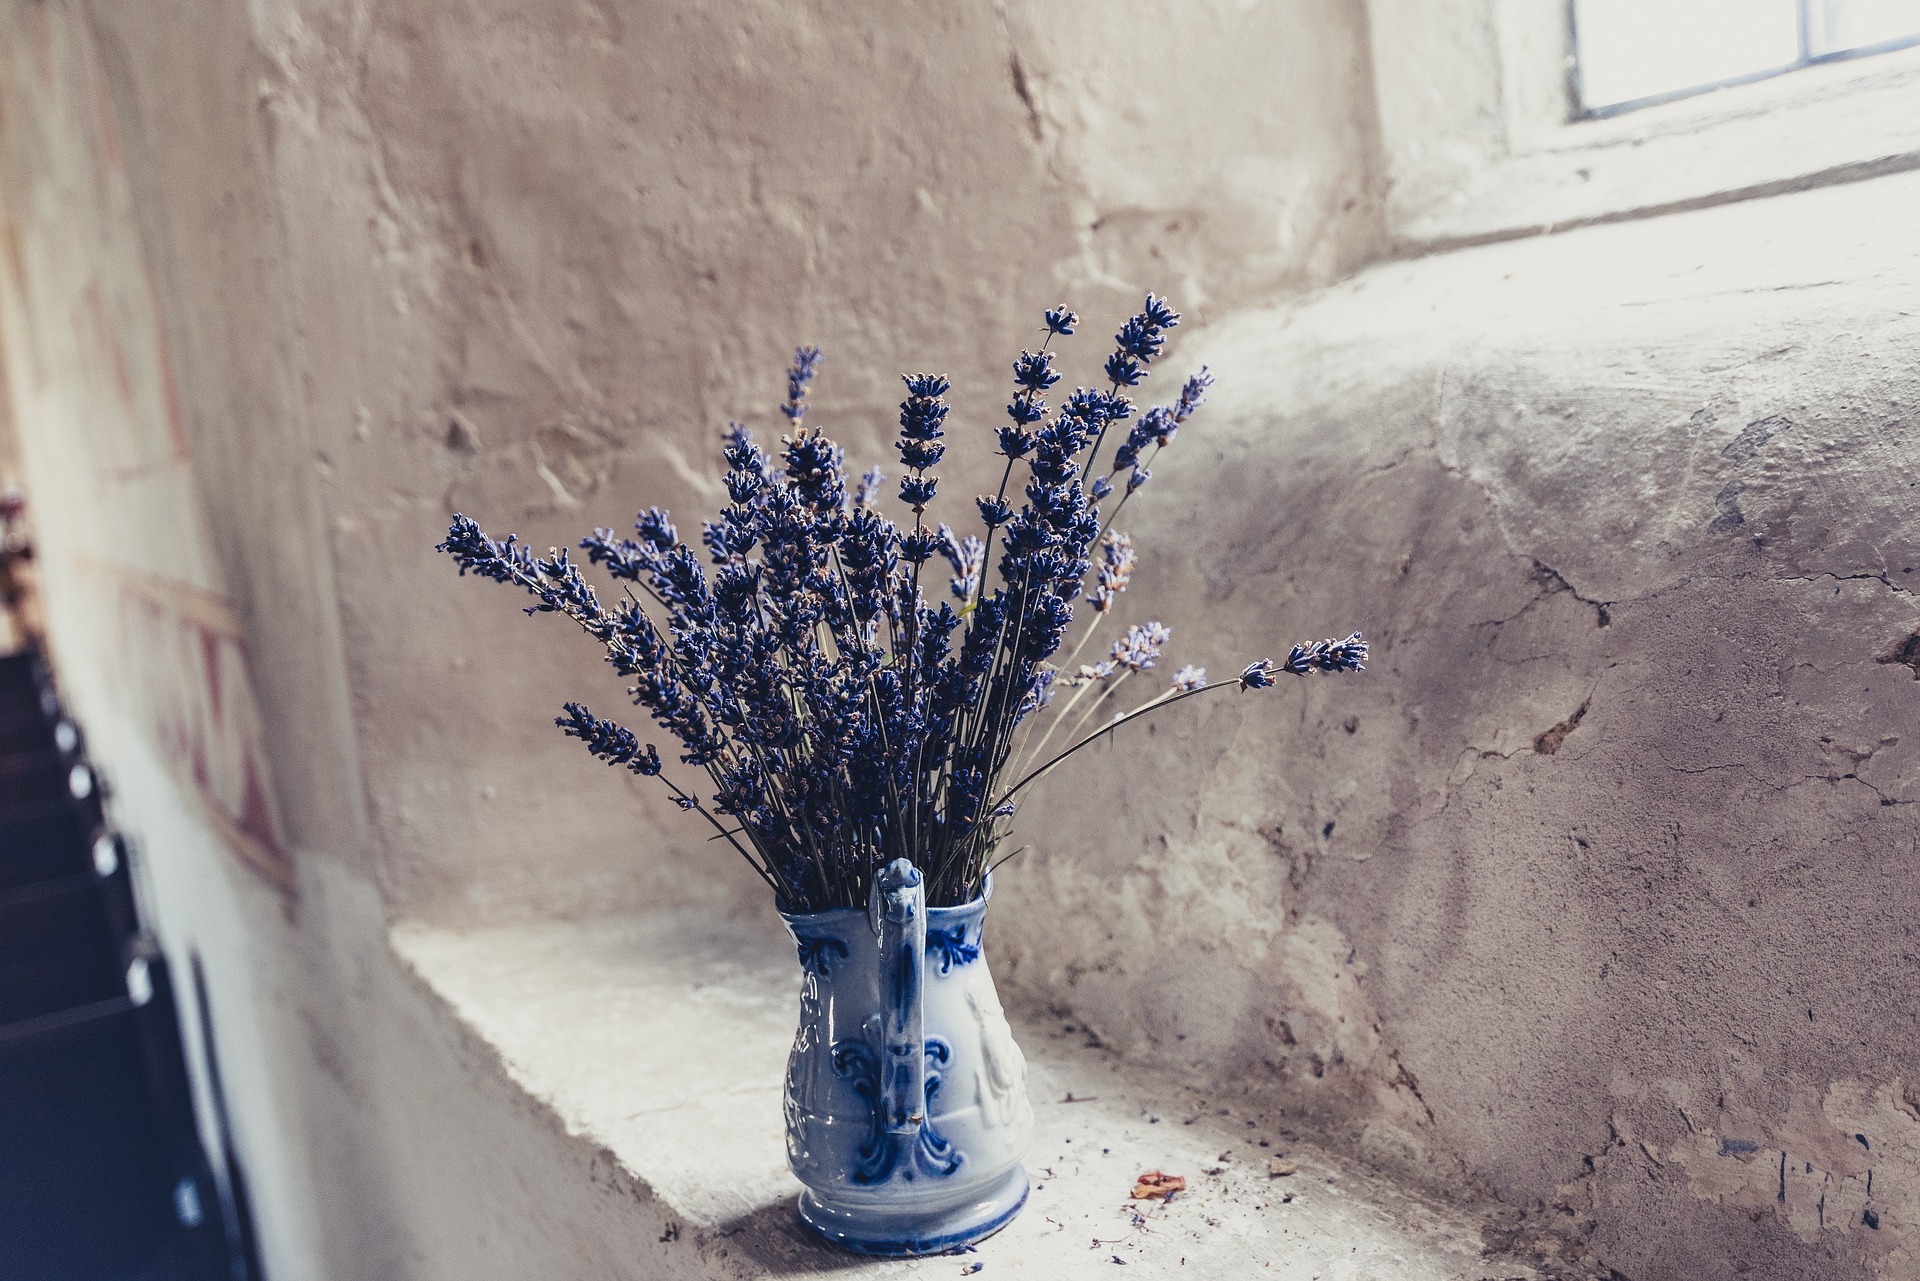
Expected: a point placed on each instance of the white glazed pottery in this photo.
(906, 1098)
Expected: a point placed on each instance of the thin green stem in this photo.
(1165, 700)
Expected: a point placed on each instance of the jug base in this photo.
(910, 1232)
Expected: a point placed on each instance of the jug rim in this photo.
(933, 913)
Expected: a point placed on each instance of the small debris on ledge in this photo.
(1279, 1167)
(1156, 1186)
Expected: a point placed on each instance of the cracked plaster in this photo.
(1506, 466)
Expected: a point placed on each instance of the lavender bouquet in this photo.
(842, 718)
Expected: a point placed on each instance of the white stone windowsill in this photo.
(662, 1041)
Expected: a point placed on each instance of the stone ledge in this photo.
(662, 1041)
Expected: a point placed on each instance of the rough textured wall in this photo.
(1591, 891)
(1598, 887)
(373, 262)
(1438, 70)
(541, 255)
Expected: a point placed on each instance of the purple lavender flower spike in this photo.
(806, 362)
(1140, 338)
(917, 491)
(1025, 411)
(1349, 655)
(614, 744)
(1033, 371)
(968, 557)
(1157, 313)
(1115, 570)
(1125, 370)
(503, 562)
(1039, 693)
(921, 416)
(918, 546)
(1139, 649)
(1091, 672)
(816, 467)
(655, 530)
(1192, 392)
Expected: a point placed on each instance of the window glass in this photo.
(1838, 26)
(1634, 49)
(1632, 53)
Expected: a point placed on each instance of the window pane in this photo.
(1630, 49)
(1837, 25)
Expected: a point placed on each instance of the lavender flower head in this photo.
(921, 416)
(968, 557)
(806, 362)
(1327, 656)
(1115, 570)
(1140, 647)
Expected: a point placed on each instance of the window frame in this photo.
(1480, 141)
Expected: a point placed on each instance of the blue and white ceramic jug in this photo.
(906, 1098)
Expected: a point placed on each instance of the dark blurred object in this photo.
(103, 1176)
(19, 602)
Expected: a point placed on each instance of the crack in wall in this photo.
(1883, 577)
(1024, 91)
(1549, 741)
(1557, 582)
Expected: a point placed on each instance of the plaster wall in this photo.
(285, 284)
(540, 257)
(150, 646)
(1540, 905)
(1596, 889)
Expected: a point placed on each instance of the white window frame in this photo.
(1478, 144)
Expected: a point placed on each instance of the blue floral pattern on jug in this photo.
(906, 1103)
(880, 1155)
(953, 947)
(815, 951)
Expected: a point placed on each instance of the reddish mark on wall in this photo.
(184, 670)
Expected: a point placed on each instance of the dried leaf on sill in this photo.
(1156, 1186)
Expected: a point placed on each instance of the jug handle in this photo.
(897, 909)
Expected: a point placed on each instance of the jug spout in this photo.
(897, 909)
